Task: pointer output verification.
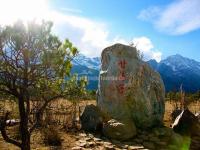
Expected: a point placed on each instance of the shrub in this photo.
(52, 137)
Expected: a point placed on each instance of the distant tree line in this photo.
(189, 97)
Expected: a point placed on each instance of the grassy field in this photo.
(69, 137)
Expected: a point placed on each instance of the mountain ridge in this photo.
(175, 71)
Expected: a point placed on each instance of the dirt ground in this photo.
(69, 138)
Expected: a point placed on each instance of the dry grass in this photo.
(169, 107)
(69, 138)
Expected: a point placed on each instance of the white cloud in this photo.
(71, 10)
(150, 13)
(89, 35)
(12, 10)
(177, 18)
(146, 47)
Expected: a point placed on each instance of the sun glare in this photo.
(25, 10)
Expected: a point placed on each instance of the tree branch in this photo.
(4, 134)
(41, 109)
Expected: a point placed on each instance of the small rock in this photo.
(77, 137)
(77, 143)
(82, 141)
(82, 135)
(91, 135)
(109, 147)
(76, 148)
(91, 144)
(125, 146)
(96, 139)
(116, 148)
(107, 143)
(83, 144)
(88, 139)
(135, 147)
(99, 143)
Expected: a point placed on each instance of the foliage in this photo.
(90, 95)
(34, 65)
(140, 54)
(75, 88)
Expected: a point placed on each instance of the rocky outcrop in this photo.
(129, 89)
(91, 119)
(186, 123)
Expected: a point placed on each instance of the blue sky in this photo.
(159, 28)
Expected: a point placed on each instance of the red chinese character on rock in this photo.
(121, 88)
(122, 64)
(122, 75)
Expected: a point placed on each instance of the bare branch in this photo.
(41, 110)
(4, 134)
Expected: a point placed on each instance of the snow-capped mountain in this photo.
(178, 62)
(92, 63)
(85, 66)
(175, 71)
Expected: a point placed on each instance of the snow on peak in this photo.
(92, 63)
(178, 62)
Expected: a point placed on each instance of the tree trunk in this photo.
(25, 135)
(74, 116)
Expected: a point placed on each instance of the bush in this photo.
(52, 137)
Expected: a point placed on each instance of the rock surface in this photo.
(162, 139)
(91, 119)
(129, 89)
(119, 130)
(186, 123)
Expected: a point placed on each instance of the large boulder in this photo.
(91, 119)
(129, 89)
(186, 123)
(119, 130)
